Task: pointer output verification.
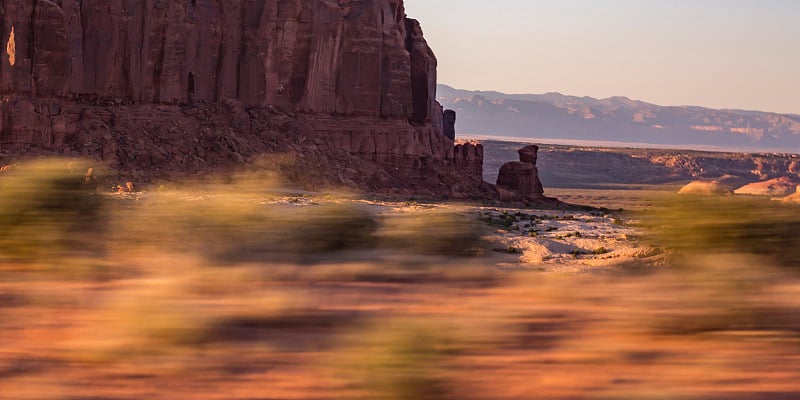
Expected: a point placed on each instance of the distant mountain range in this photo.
(558, 117)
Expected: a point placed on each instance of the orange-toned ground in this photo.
(153, 320)
(500, 337)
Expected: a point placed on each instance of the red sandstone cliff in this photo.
(150, 85)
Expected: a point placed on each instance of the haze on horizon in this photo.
(739, 54)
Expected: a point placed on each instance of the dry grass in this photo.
(224, 292)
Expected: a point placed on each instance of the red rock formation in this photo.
(88, 75)
(308, 55)
(522, 177)
(705, 188)
(468, 157)
(449, 124)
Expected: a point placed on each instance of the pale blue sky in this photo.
(716, 53)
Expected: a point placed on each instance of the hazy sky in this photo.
(716, 53)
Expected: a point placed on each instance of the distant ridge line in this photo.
(620, 120)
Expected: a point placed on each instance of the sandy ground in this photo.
(535, 239)
(547, 240)
(563, 241)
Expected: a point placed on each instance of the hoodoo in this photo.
(158, 87)
(521, 177)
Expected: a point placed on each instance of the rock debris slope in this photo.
(158, 87)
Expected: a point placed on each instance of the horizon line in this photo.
(621, 97)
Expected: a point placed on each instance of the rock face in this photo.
(469, 158)
(90, 76)
(358, 57)
(450, 124)
(522, 177)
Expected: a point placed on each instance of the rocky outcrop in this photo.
(704, 188)
(102, 78)
(779, 187)
(450, 124)
(469, 157)
(522, 177)
(793, 198)
(603, 167)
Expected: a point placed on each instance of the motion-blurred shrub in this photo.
(49, 209)
(396, 359)
(231, 227)
(717, 225)
(334, 227)
(433, 232)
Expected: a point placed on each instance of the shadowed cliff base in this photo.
(148, 144)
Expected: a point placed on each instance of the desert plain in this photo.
(243, 288)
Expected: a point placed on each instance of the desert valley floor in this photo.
(241, 291)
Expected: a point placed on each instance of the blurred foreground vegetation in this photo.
(234, 290)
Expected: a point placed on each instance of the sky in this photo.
(742, 54)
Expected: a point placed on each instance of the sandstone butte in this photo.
(160, 89)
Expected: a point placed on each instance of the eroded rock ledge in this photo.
(157, 85)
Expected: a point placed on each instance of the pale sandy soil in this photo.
(551, 241)
(535, 240)
(564, 241)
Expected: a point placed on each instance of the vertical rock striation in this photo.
(346, 57)
(356, 75)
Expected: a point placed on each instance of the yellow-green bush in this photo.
(396, 359)
(48, 210)
(715, 225)
(233, 227)
(432, 232)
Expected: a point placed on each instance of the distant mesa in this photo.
(794, 198)
(582, 166)
(619, 119)
(777, 187)
(705, 188)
